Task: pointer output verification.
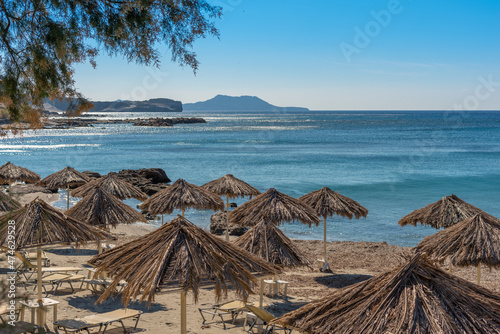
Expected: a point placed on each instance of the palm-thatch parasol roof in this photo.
(113, 185)
(275, 207)
(63, 178)
(7, 203)
(100, 208)
(10, 173)
(231, 187)
(327, 202)
(183, 255)
(280, 249)
(472, 242)
(39, 224)
(444, 213)
(416, 297)
(182, 195)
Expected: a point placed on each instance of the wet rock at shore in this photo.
(91, 175)
(218, 225)
(23, 189)
(149, 180)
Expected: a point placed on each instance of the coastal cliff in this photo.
(152, 105)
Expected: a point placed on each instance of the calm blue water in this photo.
(390, 162)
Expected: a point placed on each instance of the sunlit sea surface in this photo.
(390, 162)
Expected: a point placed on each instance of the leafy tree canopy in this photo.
(41, 40)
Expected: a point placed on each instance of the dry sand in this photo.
(352, 262)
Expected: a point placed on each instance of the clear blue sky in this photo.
(329, 55)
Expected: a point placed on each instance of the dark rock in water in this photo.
(148, 215)
(23, 189)
(91, 175)
(218, 225)
(167, 121)
(149, 180)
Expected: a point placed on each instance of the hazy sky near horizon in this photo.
(329, 55)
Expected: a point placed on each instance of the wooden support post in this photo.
(479, 273)
(324, 243)
(39, 285)
(261, 300)
(67, 200)
(227, 218)
(183, 312)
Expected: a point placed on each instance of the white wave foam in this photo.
(56, 146)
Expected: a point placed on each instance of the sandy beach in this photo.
(352, 262)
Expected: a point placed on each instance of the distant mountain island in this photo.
(152, 105)
(236, 103)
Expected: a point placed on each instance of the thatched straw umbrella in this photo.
(63, 179)
(38, 224)
(327, 202)
(7, 203)
(182, 195)
(11, 173)
(416, 297)
(179, 254)
(276, 208)
(446, 212)
(113, 185)
(230, 187)
(100, 208)
(472, 242)
(280, 249)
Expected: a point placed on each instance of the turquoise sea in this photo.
(391, 162)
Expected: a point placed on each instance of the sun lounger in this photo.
(56, 280)
(102, 321)
(264, 317)
(233, 308)
(32, 257)
(20, 326)
(98, 285)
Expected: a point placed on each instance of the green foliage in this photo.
(41, 40)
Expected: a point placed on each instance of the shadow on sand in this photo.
(339, 281)
(73, 251)
(111, 304)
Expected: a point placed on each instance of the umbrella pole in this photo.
(67, 200)
(324, 243)
(478, 273)
(162, 218)
(261, 300)
(39, 284)
(183, 311)
(227, 217)
(182, 212)
(265, 243)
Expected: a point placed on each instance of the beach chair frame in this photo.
(102, 321)
(232, 308)
(265, 317)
